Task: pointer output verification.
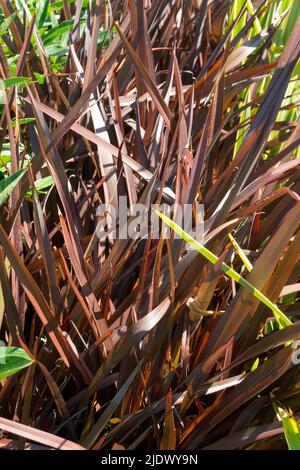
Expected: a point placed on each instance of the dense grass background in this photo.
(145, 344)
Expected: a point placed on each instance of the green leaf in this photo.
(56, 6)
(60, 30)
(240, 252)
(12, 360)
(42, 15)
(281, 319)
(21, 82)
(54, 50)
(40, 78)
(5, 23)
(43, 183)
(22, 121)
(237, 6)
(6, 150)
(255, 364)
(270, 326)
(290, 427)
(292, 18)
(8, 184)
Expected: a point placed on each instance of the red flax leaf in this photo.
(42, 437)
(36, 297)
(92, 50)
(101, 423)
(57, 396)
(255, 382)
(268, 343)
(241, 439)
(168, 440)
(106, 159)
(57, 171)
(46, 252)
(255, 140)
(83, 102)
(99, 324)
(152, 89)
(89, 314)
(10, 444)
(133, 336)
(10, 306)
(15, 26)
(244, 306)
(86, 133)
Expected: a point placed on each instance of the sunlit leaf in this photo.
(12, 360)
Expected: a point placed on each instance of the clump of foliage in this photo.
(146, 344)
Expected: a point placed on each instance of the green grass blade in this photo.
(281, 319)
(240, 252)
(42, 14)
(61, 30)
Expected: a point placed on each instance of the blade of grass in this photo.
(241, 253)
(282, 320)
